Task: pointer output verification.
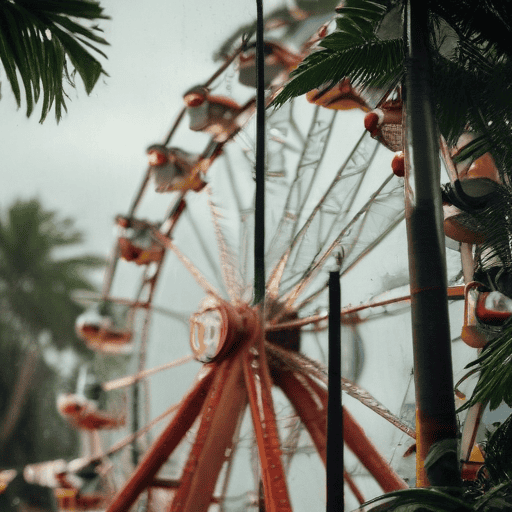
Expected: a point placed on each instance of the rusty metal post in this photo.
(435, 406)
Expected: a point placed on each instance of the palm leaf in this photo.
(37, 38)
(373, 63)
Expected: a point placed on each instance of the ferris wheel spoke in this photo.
(308, 405)
(110, 270)
(360, 445)
(329, 213)
(309, 368)
(306, 171)
(291, 443)
(379, 211)
(233, 183)
(204, 248)
(308, 398)
(247, 249)
(355, 257)
(189, 409)
(230, 457)
(353, 487)
(194, 271)
(229, 268)
(220, 415)
(132, 379)
(258, 384)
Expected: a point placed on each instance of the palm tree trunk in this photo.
(435, 408)
(19, 395)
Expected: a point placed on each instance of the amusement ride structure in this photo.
(250, 433)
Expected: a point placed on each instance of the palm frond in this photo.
(495, 382)
(374, 63)
(487, 24)
(498, 453)
(36, 40)
(438, 499)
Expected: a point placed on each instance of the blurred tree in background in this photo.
(37, 316)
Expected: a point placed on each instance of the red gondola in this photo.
(385, 124)
(476, 188)
(136, 243)
(106, 332)
(216, 115)
(484, 315)
(84, 414)
(174, 169)
(343, 96)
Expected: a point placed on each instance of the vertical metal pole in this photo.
(259, 209)
(259, 223)
(334, 464)
(435, 409)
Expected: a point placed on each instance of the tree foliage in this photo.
(35, 283)
(44, 43)
(37, 312)
(471, 74)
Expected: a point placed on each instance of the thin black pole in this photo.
(259, 213)
(435, 407)
(259, 221)
(334, 466)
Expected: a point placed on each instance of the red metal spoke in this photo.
(300, 364)
(308, 405)
(194, 271)
(259, 385)
(220, 415)
(162, 448)
(307, 396)
(228, 263)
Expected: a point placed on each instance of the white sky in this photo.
(90, 165)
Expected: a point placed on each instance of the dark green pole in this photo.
(259, 214)
(435, 409)
(334, 465)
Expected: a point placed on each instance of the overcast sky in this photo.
(90, 165)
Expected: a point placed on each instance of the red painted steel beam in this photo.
(162, 448)
(298, 389)
(224, 405)
(311, 408)
(259, 387)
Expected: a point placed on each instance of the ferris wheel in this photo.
(243, 424)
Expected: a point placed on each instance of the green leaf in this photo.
(27, 52)
(374, 64)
